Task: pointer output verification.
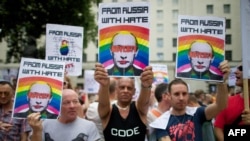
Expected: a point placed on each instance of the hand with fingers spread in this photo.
(101, 75)
(35, 122)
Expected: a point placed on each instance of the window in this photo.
(228, 23)
(114, 0)
(228, 39)
(159, 42)
(129, 0)
(159, 2)
(81, 76)
(159, 14)
(84, 57)
(174, 42)
(227, 8)
(159, 28)
(174, 57)
(210, 9)
(175, 2)
(160, 56)
(175, 28)
(175, 14)
(228, 55)
(96, 57)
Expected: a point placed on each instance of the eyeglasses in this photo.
(240, 68)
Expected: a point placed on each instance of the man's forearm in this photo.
(222, 96)
(104, 102)
(36, 136)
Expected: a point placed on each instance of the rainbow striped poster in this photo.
(124, 37)
(160, 73)
(39, 88)
(201, 47)
(64, 43)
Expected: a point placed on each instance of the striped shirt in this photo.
(19, 126)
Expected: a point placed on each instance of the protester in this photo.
(125, 120)
(67, 127)
(92, 111)
(185, 123)
(10, 129)
(163, 104)
(235, 114)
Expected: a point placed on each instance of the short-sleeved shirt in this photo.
(234, 109)
(184, 127)
(78, 130)
(19, 126)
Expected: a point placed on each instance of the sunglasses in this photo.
(240, 68)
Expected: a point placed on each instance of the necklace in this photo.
(180, 122)
(119, 107)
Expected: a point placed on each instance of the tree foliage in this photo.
(25, 20)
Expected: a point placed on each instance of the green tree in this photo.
(23, 21)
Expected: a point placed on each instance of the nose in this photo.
(181, 97)
(199, 62)
(38, 102)
(123, 57)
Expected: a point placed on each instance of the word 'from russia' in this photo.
(125, 10)
(64, 33)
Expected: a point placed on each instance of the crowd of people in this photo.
(175, 115)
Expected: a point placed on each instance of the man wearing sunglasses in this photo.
(234, 116)
(124, 49)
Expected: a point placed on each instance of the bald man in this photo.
(201, 57)
(39, 97)
(124, 49)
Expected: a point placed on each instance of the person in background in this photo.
(68, 126)
(67, 83)
(11, 129)
(163, 105)
(235, 114)
(200, 96)
(127, 117)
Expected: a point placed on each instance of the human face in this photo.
(70, 105)
(125, 90)
(124, 50)
(200, 56)
(6, 94)
(39, 97)
(65, 84)
(179, 97)
(239, 76)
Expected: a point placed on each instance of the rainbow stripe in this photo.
(184, 43)
(163, 74)
(105, 40)
(21, 103)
